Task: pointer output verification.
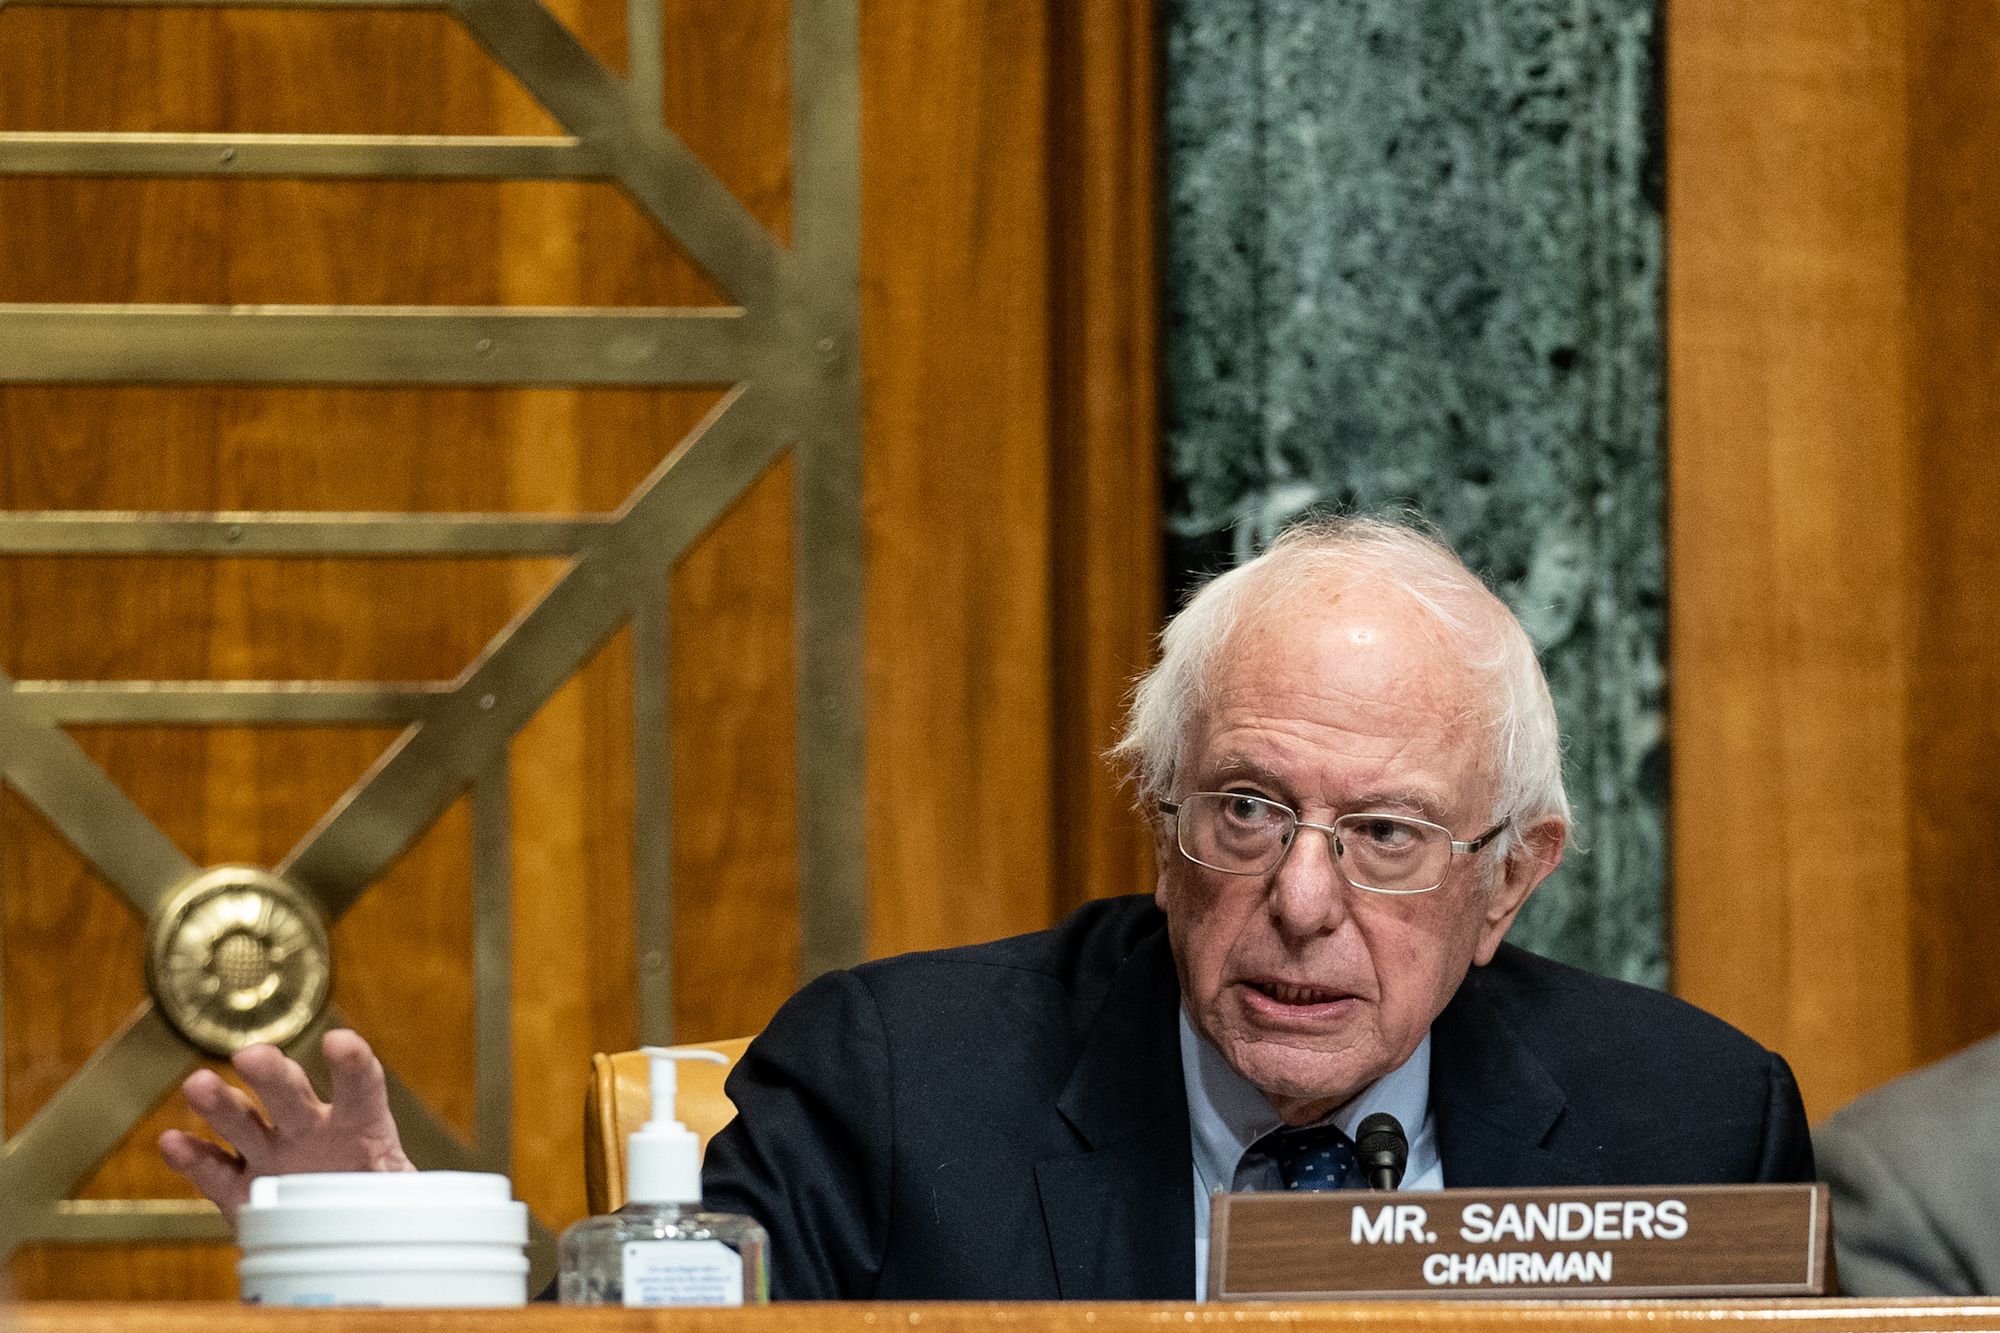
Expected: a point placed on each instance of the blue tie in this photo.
(1318, 1157)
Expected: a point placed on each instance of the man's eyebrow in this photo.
(1233, 767)
(1427, 803)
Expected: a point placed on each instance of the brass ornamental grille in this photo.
(786, 348)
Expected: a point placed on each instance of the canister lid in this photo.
(380, 1208)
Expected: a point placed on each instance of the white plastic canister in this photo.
(383, 1238)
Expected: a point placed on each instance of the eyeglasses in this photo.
(1240, 834)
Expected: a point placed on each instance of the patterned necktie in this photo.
(1318, 1157)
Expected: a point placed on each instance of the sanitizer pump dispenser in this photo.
(661, 1248)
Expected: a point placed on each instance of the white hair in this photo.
(1318, 555)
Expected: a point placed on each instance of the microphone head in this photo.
(1383, 1149)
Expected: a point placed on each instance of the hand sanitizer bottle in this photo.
(661, 1248)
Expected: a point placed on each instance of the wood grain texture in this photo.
(735, 873)
(1833, 527)
(1105, 465)
(1805, 1316)
(955, 381)
(1954, 489)
(1786, 530)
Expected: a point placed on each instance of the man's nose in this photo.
(1308, 894)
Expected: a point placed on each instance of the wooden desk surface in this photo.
(1792, 1316)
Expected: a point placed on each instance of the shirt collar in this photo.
(1226, 1112)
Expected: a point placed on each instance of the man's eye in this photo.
(1249, 810)
(1388, 835)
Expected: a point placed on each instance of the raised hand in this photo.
(296, 1131)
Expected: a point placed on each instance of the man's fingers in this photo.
(360, 1096)
(228, 1112)
(293, 1131)
(360, 1091)
(218, 1173)
(287, 1094)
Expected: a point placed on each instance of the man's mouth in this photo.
(1287, 993)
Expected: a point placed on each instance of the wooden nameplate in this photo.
(1694, 1240)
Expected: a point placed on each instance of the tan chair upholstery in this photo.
(621, 1097)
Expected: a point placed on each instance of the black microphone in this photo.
(1384, 1150)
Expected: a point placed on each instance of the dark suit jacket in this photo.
(1009, 1122)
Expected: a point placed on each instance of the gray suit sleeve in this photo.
(1887, 1240)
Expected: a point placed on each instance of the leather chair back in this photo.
(620, 1099)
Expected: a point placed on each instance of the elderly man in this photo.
(1351, 761)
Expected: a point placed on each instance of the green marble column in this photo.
(1413, 260)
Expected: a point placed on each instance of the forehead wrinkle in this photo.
(1337, 698)
(1304, 780)
(1371, 694)
(1332, 718)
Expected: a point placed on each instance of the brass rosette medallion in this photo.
(237, 957)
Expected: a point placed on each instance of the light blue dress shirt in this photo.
(1226, 1114)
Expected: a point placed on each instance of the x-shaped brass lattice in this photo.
(786, 348)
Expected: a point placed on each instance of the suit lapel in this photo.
(1120, 1210)
(1496, 1103)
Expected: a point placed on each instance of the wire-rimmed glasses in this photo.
(1241, 834)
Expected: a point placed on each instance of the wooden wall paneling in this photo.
(1012, 455)
(997, 645)
(1788, 499)
(955, 325)
(229, 448)
(574, 984)
(193, 619)
(736, 877)
(574, 970)
(735, 874)
(1105, 459)
(1954, 536)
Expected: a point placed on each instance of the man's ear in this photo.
(1528, 863)
(1163, 852)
